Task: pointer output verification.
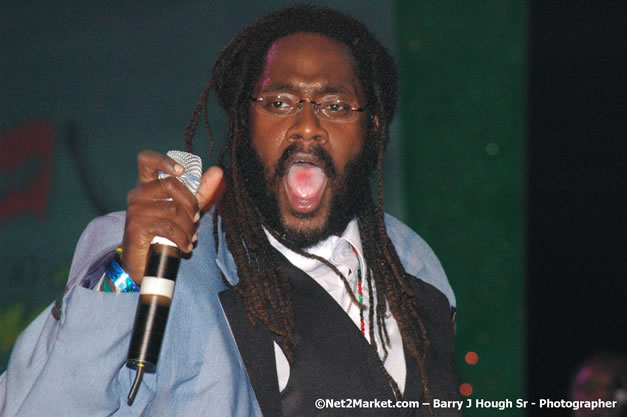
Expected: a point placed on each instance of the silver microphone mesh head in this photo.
(193, 169)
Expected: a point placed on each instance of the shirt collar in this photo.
(324, 249)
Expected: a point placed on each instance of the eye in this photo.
(277, 104)
(336, 108)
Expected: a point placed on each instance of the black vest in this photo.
(332, 359)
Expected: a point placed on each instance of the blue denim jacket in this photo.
(73, 363)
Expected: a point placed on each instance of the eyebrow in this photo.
(278, 87)
(337, 89)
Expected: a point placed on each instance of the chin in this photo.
(302, 230)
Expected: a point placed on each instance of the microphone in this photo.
(157, 287)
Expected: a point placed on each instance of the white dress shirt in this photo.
(339, 252)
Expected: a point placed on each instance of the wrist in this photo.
(128, 260)
(115, 278)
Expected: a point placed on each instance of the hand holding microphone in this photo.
(162, 218)
(163, 207)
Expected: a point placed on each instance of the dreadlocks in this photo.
(262, 283)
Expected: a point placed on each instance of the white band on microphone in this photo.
(157, 286)
(162, 241)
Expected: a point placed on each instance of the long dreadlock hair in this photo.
(262, 283)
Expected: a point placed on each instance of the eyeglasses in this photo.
(333, 107)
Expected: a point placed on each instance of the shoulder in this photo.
(100, 237)
(105, 228)
(417, 257)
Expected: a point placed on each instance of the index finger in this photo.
(149, 163)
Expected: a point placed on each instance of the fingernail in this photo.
(195, 237)
(190, 247)
(179, 168)
(197, 217)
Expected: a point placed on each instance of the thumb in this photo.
(210, 188)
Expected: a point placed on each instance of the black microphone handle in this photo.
(153, 308)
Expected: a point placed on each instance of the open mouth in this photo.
(305, 181)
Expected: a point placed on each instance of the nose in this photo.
(306, 124)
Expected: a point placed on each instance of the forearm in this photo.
(71, 365)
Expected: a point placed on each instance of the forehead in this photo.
(308, 62)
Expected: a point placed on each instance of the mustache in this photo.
(323, 159)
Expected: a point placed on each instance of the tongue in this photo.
(305, 180)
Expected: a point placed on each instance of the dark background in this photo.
(511, 124)
(577, 118)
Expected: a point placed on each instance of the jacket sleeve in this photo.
(69, 361)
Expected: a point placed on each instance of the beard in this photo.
(348, 193)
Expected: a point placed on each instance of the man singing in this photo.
(296, 286)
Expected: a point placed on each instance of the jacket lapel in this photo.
(257, 351)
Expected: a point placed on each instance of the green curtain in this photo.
(462, 114)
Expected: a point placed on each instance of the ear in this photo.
(375, 120)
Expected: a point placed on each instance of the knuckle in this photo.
(166, 207)
(171, 183)
(131, 196)
(143, 157)
(164, 228)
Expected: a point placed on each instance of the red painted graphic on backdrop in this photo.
(25, 169)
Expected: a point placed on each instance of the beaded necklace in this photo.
(360, 293)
